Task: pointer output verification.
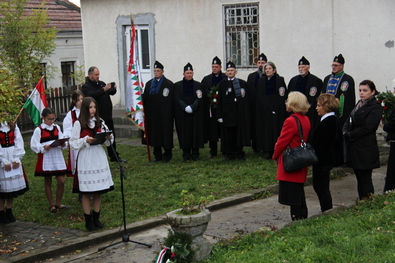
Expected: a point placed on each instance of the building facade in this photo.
(176, 32)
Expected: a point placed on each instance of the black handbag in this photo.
(299, 157)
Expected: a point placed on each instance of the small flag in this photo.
(36, 102)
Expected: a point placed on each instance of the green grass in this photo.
(150, 188)
(363, 233)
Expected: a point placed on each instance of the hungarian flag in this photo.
(36, 102)
(134, 85)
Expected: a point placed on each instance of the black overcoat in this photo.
(327, 141)
(269, 113)
(159, 114)
(190, 127)
(212, 130)
(360, 129)
(235, 111)
(312, 91)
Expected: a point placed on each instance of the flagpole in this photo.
(145, 127)
(20, 112)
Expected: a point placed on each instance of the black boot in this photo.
(89, 223)
(96, 221)
(10, 216)
(3, 217)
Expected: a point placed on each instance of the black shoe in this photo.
(157, 160)
(166, 160)
(184, 159)
(241, 158)
(212, 155)
(3, 217)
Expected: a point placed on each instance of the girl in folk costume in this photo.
(50, 160)
(93, 175)
(13, 180)
(76, 99)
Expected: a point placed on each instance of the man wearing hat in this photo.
(189, 114)
(252, 81)
(159, 117)
(234, 112)
(342, 86)
(210, 85)
(310, 86)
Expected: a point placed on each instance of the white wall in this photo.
(192, 31)
(69, 47)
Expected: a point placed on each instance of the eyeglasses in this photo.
(334, 65)
(51, 119)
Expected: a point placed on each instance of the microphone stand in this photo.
(125, 236)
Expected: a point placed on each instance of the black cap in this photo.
(303, 61)
(216, 61)
(339, 59)
(262, 57)
(158, 65)
(188, 67)
(230, 64)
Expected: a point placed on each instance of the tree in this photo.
(25, 40)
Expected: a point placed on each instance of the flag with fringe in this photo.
(134, 85)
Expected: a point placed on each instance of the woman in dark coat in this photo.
(291, 184)
(327, 141)
(269, 111)
(389, 127)
(360, 134)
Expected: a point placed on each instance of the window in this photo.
(67, 68)
(242, 34)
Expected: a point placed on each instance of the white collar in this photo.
(327, 115)
(48, 127)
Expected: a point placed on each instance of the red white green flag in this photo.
(134, 85)
(36, 102)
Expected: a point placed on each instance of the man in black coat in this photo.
(310, 86)
(189, 113)
(210, 85)
(252, 82)
(234, 112)
(159, 114)
(101, 92)
(342, 86)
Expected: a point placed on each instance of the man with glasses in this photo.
(342, 86)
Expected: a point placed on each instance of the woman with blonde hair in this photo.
(291, 184)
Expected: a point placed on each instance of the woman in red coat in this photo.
(291, 184)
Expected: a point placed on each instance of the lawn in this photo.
(362, 233)
(151, 189)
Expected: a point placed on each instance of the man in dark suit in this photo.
(159, 114)
(234, 112)
(342, 86)
(101, 92)
(310, 86)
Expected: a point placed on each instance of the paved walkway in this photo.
(230, 217)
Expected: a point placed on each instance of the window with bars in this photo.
(242, 34)
(67, 68)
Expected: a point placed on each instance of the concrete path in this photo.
(238, 218)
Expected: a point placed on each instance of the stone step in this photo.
(126, 131)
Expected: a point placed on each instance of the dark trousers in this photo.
(112, 153)
(321, 179)
(190, 153)
(167, 155)
(364, 183)
(390, 176)
(233, 150)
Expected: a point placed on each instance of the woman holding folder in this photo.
(93, 175)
